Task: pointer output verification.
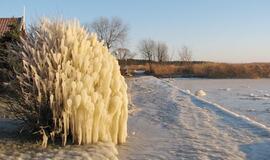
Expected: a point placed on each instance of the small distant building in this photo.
(6, 23)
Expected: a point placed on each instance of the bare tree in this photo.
(185, 54)
(123, 53)
(113, 32)
(162, 52)
(147, 49)
(172, 54)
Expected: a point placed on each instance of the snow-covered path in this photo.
(174, 125)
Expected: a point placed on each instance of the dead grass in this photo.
(203, 69)
(165, 69)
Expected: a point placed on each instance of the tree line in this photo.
(114, 32)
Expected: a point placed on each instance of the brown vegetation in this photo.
(200, 69)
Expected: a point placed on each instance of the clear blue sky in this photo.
(216, 30)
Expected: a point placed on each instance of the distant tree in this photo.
(162, 52)
(112, 31)
(185, 54)
(147, 48)
(172, 54)
(123, 53)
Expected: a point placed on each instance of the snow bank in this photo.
(80, 79)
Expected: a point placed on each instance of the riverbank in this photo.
(199, 69)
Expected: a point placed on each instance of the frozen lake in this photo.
(244, 96)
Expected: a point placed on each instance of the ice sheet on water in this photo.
(225, 89)
(253, 96)
(245, 94)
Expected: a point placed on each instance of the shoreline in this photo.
(197, 69)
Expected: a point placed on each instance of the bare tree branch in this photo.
(147, 49)
(113, 32)
(123, 53)
(185, 54)
(162, 52)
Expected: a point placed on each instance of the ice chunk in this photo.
(188, 91)
(225, 89)
(200, 93)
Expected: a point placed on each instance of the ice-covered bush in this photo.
(71, 85)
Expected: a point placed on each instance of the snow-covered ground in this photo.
(15, 147)
(172, 124)
(165, 123)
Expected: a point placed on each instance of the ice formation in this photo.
(80, 80)
(188, 91)
(200, 93)
(225, 89)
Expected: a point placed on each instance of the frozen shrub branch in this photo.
(71, 84)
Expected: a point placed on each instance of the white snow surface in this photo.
(166, 122)
(14, 147)
(174, 124)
